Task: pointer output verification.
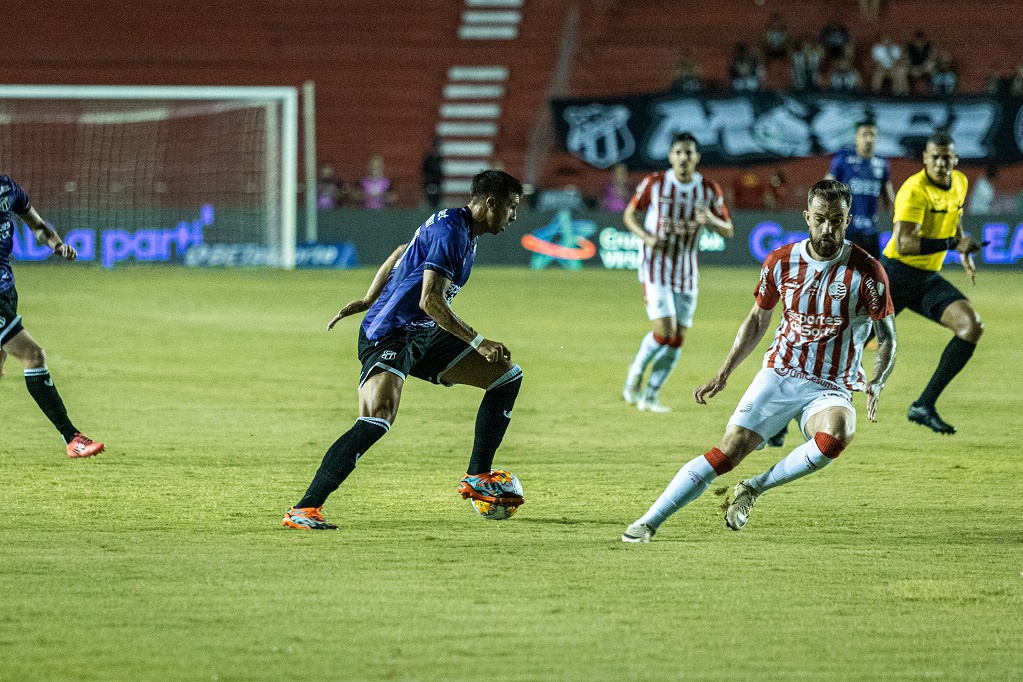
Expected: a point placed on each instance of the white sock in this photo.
(802, 461)
(688, 484)
(648, 348)
(663, 365)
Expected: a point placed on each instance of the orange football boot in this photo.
(80, 446)
(306, 518)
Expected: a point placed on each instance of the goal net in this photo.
(147, 173)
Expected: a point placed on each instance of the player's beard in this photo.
(826, 248)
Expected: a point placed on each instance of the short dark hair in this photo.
(494, 183)
(866, 122)
(828, 191)
(941, 138)
(684, 136)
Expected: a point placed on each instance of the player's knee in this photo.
(972, 330)
(34, 357)
(511, 376)
(834, 438)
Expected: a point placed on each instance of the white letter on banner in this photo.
(971, 126)
(734, 118)
(898, 121)
(673, 117)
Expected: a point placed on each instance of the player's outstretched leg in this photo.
(664, 363)
(40, 387)
(492, 422)
(649, 348)
(688, 484)
(379, 396)
(811, 456)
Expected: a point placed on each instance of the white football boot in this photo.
(650, 402)
(738, 511)
(633, 389)
(638, 532)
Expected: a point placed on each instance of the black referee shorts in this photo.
(923, 291)
(423, 353)
(871, 243)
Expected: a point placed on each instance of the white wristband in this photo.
(475, 343)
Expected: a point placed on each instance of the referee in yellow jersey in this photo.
(928, 222)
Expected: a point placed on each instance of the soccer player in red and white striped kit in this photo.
(675, 206)
(832, 294)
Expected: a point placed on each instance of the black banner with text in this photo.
(743, 128)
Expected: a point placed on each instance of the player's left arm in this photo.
(715, 216)
(46, 234)
(435, 304)
(884, 363)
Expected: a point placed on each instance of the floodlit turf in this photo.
(217, 393)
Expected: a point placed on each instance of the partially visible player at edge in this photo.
(832, 293)
(410, 329)
(674, 205)
(928, 222)
(17, 342)
(869, 180)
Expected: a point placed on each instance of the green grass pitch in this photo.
(217, 393)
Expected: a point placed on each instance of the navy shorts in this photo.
(923, 291)
(10, 320)
(423, 353)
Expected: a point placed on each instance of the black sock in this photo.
(341, 457)
(957, 354)
(492, 421)
(41, 388)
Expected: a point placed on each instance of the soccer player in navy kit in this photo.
(14, 340)
(410, 329)
(868, 178)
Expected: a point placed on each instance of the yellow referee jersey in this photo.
(937, 210)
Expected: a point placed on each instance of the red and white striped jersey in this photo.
(827, 311)
(669, 206)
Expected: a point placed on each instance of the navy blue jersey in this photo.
(442, 244)
(866, 179)
(12, 200)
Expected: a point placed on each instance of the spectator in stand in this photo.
(618, 191)
(836, 40)
(982, 193)
(433, 175)
(845, 78)
(330, 192)
(688, 77)
(776, 39)
(776, 193)
(1016, 86)
(994, 84)
(889, 65)
(918, 52)
(748, 191)
(870, 9)
(745, 70)
(377, 192)
(806, 65)
(944, 79)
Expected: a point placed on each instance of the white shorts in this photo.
(772, 401)
(661, 301)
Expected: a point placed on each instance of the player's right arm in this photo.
(435, 304)
(637, 208)
(375, 288)
(46, 234)
(751, 331)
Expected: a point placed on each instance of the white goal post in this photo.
(155, 158)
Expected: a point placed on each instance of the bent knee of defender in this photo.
(33, 357)
(972, 330)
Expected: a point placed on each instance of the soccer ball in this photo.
(505, 499)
